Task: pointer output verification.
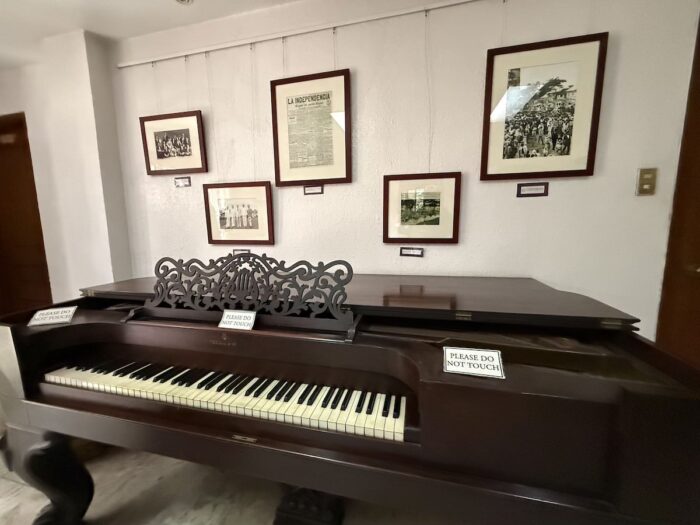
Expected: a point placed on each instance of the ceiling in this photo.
(23, 23)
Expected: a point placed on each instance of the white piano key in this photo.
(400, 422)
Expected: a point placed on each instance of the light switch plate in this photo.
(646, 181)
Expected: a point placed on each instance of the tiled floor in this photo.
(136, 488)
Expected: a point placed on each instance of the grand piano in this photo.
(341, 390)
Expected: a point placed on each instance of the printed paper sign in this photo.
(474, 362)
(238, 319)
(53, 316)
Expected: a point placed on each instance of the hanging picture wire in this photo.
(428, 85)
(212, 125)
(254, 108)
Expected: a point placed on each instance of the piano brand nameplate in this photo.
(237, 319)
(474, 362)
(53, 316)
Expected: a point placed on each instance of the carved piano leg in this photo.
(46, 462)
(309, 507)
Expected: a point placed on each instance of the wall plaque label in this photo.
(53, 316)
(237, 319)
(473, 362)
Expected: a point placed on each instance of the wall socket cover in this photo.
(646, 181)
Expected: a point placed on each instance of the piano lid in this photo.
(504, 300)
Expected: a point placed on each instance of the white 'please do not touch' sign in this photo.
(478, 362)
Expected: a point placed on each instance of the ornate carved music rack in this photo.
(298, 295)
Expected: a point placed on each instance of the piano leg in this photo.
(46, 462)
(309, 507)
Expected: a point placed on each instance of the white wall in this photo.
(591, 235)
(66, 105)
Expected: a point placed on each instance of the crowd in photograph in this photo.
(173, 144)
(538, 133)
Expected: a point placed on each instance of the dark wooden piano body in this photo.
(591, 425)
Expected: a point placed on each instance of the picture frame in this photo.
(173, 143)
(239, 213)
(422, 208)
(312, 129)
(542, 108)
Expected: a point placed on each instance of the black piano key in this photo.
(210, 381)
(168, 374)
(290, 394)
(138, 373)
(314, 395)
(397, 407)
(240, 386)
(283, 391)
(128, 369)
(226, 383)
(242, 379)
(361, 402)
(327, 398)
(272, 393)
(195, 376)
(99, 369)
(338, 396)
(252, 388)
(218, 382)
(152, 371)
(346, 400)
(110, 370)
(305, 394)
(370, 405)
(261, 388)
(387, 405)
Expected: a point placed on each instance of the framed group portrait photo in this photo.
(173, 143)
(542, 107)
(239, 213)
(422, 208)
(312, 129)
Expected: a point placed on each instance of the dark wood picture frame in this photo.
(274, 84)
(268, 202)
(200, 135)
(454, 239)
(602, 39)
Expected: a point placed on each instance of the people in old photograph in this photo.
(420, 207)
(540, 106)
(238, 214)
(173, 143)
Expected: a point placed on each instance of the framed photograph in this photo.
(311, 129)
(239, 213)
(173, 143)
(542, 107)
(422, 208)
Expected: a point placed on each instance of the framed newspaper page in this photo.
(542, 107)
(173, 143)
(422, 208)
(239, 213)
(311, 129)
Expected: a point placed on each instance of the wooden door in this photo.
(24, 276)
(678, 331)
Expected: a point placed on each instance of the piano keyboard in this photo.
(311, 405)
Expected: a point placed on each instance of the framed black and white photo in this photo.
(542, 107)
(239, 213)
(173, 143)
(422, 208)
(311, 129)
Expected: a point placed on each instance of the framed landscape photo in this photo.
(173, 143)
(239, 213)
(311, 129)
(542, 107)
(422, 208)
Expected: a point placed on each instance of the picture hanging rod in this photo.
(315, 29)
